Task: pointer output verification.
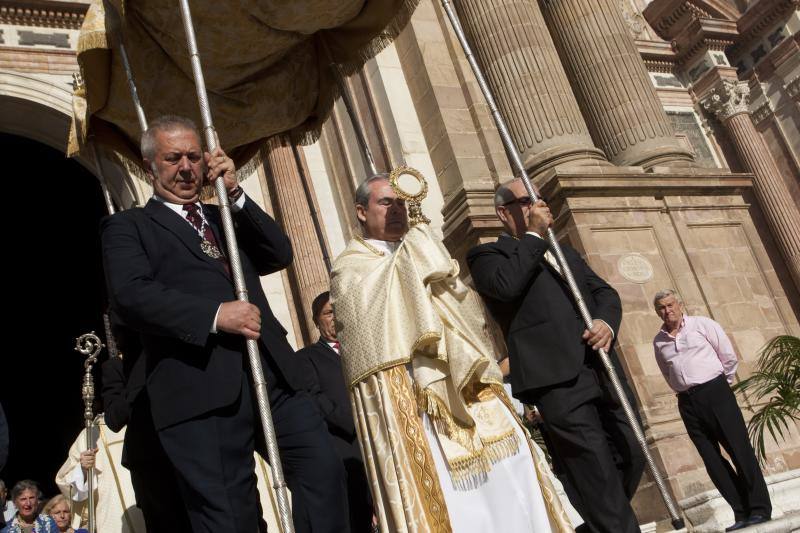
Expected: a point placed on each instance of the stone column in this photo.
(619, 102)
(729, 103)
(519, 60)
(290, 195)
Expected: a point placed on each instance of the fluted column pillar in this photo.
(519, 59)
(729, 103)
(619, 103)
(293, 211)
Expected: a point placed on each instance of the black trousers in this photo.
(595, 447)
(213, 458)
(152, 476)
(358, 496)
(713, 419)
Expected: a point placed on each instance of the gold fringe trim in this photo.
(428, 402)
(378, 368)
(471, 471)
(309, 132)
(501, 447)
(382, 40)
(94, 40)
(394, 362)
(423, 339)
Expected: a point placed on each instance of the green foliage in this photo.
(777, 379)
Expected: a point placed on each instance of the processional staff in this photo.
(519, 170)
(89, 345)
(254, 356)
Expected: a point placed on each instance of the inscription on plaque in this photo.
(635, 268)
(32, 38)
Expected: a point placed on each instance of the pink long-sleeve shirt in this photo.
(698, 353)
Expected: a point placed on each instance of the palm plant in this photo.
(777, 377)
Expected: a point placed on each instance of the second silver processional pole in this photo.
(254, 356)
(519, 170)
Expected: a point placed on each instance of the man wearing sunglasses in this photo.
(554, 364)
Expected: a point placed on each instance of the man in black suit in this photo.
(553, 363)
(169, 280)
(326, 383)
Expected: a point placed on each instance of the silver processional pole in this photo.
(519, 168)
(260, 383)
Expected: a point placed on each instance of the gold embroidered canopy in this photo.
(266, 65)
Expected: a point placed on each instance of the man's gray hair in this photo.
(164, 123)
(362, 192)
(663, 293)
(503, 194)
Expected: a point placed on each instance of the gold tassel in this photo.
(443, 420)
(502, 447)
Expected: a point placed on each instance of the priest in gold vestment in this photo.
(442, 446)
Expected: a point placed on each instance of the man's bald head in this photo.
(504, 193)
(513, 206)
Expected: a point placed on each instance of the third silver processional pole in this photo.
(260, 383)
(519, 169)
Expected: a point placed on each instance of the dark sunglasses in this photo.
(523, 201)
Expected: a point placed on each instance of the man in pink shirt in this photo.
(698, 361)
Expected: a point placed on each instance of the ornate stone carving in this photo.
(763, 112)
(793, 88)
(59, 15)
(728, 99)
(633, 18)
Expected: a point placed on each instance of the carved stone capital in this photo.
(727, 99)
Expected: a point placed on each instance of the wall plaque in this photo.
(635, 268)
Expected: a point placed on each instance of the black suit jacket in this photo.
(116, 409)
(534, 307)
(164, 287)
(326, 383)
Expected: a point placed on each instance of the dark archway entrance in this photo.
(54, 291)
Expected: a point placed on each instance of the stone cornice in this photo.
(761, 16)
(668, 17)
(702, 35)
(560, 185)
(658, 56)
(727, 98)
(62, 15)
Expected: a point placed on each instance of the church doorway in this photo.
(54, 292)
